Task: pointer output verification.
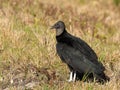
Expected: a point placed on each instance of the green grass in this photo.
(117, 2)
(28, 58)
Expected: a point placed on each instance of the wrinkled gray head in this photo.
(59, 26)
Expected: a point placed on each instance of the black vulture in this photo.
(78, 55)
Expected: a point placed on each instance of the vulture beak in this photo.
(55, 26)
(52, 27)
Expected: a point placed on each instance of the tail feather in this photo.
(102, 78)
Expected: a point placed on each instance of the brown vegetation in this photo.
(28, 59)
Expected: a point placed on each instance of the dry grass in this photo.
(28, 59)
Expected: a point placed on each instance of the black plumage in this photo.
(78, 55)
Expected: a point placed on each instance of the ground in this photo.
(28, 58)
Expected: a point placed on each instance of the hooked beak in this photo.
(52, 27)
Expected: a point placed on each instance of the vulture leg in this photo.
(71, 74)
(74, 77)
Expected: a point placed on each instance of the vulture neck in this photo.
(59, 32)
(62, 37)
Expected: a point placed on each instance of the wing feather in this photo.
(76, 59)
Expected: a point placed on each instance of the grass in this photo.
(28, 58)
